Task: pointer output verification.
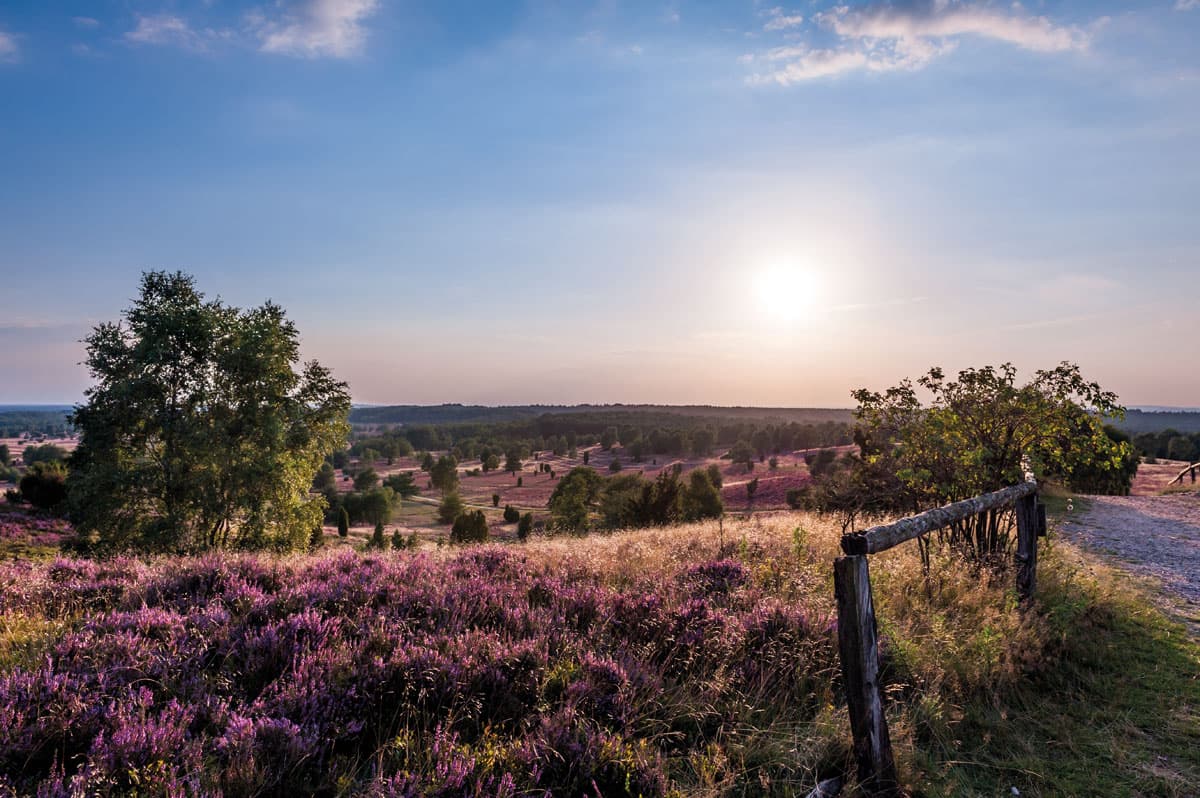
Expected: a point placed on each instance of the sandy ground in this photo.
(1153, 536)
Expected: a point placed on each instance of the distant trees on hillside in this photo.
(631, 500)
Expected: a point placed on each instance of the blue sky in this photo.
(732, 203)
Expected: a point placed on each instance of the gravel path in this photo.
(1157, 536)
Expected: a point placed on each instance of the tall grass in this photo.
(697, 660)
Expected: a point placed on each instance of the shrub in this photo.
(317, 539)
(520, 481)
(450, 508)
(366, 479)
(615, 465)
(495, 499)
(525, 526)
(343, 523)
(377, 540)
(511, 514)
(470, 527)
(751, 489)
(773, 463)
(44, 485)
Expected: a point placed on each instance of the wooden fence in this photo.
(857, 636)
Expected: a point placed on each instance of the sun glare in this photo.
(785, 294)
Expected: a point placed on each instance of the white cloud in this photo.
(781, 21)
(883, 37)
(1186, 5)
(165, 29)
(319, 28)
(9, 51)
(942, 19)
(85, 22)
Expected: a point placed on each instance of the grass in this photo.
(1089, 691)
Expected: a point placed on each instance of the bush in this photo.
(365, 479)
(773, 463)
(377, 540)
(525, 526)
(44, 485)
(511, 514)
(615, 465)
(343, 523)
(450, 508)
(317, 539)
(495, 499)
(471, 527)
(46, 453)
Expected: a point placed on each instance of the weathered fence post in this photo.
(859, 650)
(1027, 534)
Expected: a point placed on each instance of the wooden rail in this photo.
(1189, 468)
(858, 642)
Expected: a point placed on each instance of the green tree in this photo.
(702, 499)
(427, 462)
(491, 463)
(403, 484)
(376, 506)
(470, 527)
(608, 438)
(525, 526)
(5, 457)
(702, 442)
(198, 433)
(366, 479)
(444, 474)
(751, 489)
(586, 454)
(742, 452)
(326, 478)
(377, 540)
(573, 498)
(511, 514)
(316, 539)
(44, 453)
(512, 460)
(971, 439)
(615, 465)
(398, 541)
(343, 523)
(450, 508)
(44, 484)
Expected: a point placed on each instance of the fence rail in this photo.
(858, 643)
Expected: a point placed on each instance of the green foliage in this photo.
(403, 484)
(511, 514)
(586, 455)
(450, 508)
(714, 476)
(491, 463)
(495, 499)
(773, 463)
(615, 465)
(316, 538)
(343, 523)
(573, 499)
(751, 489)
(608, 438)
(44, 484)
(44, 453)
(470, 527)
(377, 540)
(5, 457)
(427, 462)
(444, 474)
(525, 526)
(742, 452)
(366, 479)
(326, 478)
(512, 460)
(198, 433)
(702, 499)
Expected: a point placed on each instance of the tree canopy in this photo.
(199, 432)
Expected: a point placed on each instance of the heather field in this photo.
(690, 661)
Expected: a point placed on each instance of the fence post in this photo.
(859, 651)
(1027, 535)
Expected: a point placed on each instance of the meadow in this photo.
(696, 660)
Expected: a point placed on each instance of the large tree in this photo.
(199, 432)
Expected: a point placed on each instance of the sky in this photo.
(656, 201)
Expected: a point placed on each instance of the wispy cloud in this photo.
(319, 29)
(1186, 5)
(10, 52)
(85, 22)
(884, 37)
(778, 20)
(165, 29)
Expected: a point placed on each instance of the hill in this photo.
(460, 414)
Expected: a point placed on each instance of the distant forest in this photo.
(642, 415)
(36, 419)
(1140, 421)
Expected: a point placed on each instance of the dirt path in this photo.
(1156, 536)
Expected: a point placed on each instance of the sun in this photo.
(785, 294)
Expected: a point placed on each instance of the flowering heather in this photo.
(491, 672)
(35, 529)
